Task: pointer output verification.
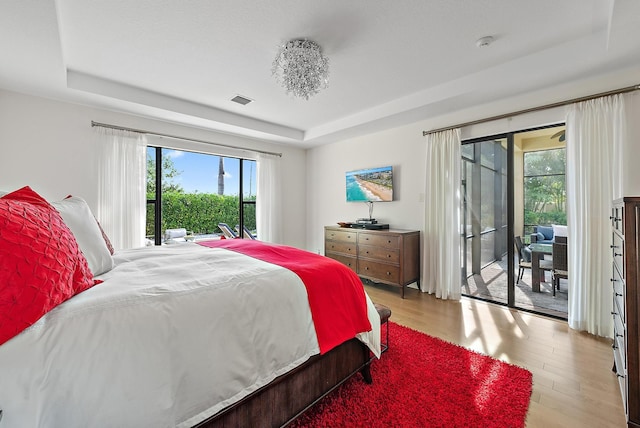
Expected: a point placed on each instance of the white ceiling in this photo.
(391, 62)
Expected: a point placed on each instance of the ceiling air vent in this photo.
(241, 100)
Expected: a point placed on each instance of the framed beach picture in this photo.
(370, 185)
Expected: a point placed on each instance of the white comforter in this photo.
(173, 335)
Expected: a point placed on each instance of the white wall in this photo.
(50, 146)
(631, 152)
(404, 149)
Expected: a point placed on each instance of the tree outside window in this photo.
(545, 193)
(198, 191)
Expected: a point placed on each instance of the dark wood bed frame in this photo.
(284, 399)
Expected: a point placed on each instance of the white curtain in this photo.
(268, 198)
(595, 132)
(122, 187)
(441, 266)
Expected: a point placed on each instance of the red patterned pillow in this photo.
(41, 265)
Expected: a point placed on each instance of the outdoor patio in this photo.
(491, 284)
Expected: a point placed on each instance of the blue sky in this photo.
(199, 172)
(360, 171)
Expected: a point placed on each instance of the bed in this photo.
(182, 335)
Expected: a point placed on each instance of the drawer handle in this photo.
(619, 375)
(388, 273)
(619, 294)
(614, 346)
(614, 280)
(389, 255)
(388, 242)
(614, 246)
(366, 268)
(617, 254)
(619, 335)
(367, 252)
(614, 313)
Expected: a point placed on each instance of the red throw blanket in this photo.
(336, 295)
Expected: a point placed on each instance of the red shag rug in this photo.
(422, 381)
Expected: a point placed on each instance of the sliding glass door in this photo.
(487, 194)
(511, 184)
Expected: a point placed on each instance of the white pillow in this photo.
(78, 217)
(559, 230)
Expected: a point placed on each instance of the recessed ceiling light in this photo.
(483, 42)
(241, 100)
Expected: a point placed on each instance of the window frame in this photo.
(157, 201)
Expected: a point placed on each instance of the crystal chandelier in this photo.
(300, 68)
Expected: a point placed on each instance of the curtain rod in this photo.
(157, 134)
(529, 110)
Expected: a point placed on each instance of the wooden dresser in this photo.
(390, 256)
(625, 221)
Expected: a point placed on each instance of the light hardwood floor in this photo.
(573, 385)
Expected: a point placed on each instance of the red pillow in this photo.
(41, 264)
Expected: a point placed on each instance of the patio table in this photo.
(537, 255)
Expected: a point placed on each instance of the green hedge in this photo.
(545, 218)
(200, 212)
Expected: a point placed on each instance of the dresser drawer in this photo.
(621, 373)
(617, 250)
(340, 247)
(379, 271)
(341, 235)
(350, 262)
(617, 218)
(379, 240)
(379, 253)
(619, 356)
(618, 293)
(619, 338)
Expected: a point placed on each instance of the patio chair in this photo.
(246, 232)
(227, 231)
(522, 263)
(560, 262)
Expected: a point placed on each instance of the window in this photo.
(545, 193)
(196, 191)
(484, 187)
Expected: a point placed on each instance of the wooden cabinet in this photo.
(625, 222)
(389, 256)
